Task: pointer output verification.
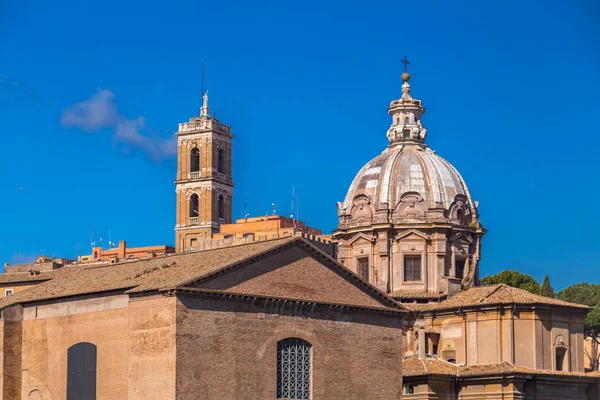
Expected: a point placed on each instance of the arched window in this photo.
(221, 161)
(194, 205)
(293, 369)
(560, 353)
(560, 358)
(81, 372)
(221, 207)
(195, 160)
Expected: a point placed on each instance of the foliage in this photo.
(581, 293)
(515, 279)
(546, 289)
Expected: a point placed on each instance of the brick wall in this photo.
(226, 350)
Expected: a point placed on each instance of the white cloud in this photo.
(100, 112)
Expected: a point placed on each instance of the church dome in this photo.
(408, 181)
(406, 168)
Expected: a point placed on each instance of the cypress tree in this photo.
(547, 288)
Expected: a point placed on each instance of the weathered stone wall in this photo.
(135, 347)
(48, 332)
(152, 348)
(226, 349)
(11, 352)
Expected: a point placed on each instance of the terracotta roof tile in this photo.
(164, 272)
(489, 295)
(149, 274)
(508, 368)
(413, 366)
(399, 294)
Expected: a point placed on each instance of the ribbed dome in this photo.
(407, 168)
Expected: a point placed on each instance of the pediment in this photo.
(463, 235)
(361, 237)
(412, 233)
(297, 272)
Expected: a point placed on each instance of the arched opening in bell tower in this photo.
(195, 160)
(221, 207)
(194, 206)
(221, 161)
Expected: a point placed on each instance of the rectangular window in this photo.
(460, 268)
(8, 292)
(412, 268)
(363, 268)
(193, 243)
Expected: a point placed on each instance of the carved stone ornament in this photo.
(411, 205)
(362, 211)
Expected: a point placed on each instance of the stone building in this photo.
(409, 226)
(274, 319)
(204, 186)
(408, 223)
(122, 252)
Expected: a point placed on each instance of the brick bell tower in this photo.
(204, 185)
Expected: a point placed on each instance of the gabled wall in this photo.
(226, 349)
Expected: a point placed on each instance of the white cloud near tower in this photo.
(100, 112)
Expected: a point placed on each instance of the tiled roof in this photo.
(413, 366)
(141, 275)
(18, 277)
(399, 294)
(490, 295)
(508, 368)
(165, 272)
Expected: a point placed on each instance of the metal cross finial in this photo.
(405, 62)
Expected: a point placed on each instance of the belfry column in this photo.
(204, 184)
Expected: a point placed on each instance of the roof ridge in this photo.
(424, 365)
(498, 287)
(232, 264)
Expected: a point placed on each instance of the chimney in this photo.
(122, 249)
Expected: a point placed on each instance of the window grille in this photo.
(293, 369)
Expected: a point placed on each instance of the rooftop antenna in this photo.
(274, 209)
(110, 242)
(92, 242)
(292, 216)
(77, 249)
(101, 237)
(202, 77)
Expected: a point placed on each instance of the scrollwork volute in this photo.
(460, 210)
(362, 210)
(411, 206)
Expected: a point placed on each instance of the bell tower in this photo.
(204, 185)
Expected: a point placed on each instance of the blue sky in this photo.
(511, 91)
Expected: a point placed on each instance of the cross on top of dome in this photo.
(406, 114)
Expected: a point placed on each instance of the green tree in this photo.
(546, 289)
(514, 279)
(588, 294)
